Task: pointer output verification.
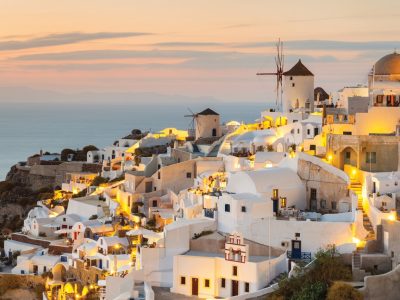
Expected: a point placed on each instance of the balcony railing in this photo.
(305, 256)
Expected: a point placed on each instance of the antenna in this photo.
(279, 61)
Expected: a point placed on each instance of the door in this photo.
(195, 286)
(296, 249)
(35, 269)
(100, 264)
(235, 287)
(313, 199)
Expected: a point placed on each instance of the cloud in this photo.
(326, 45)
(63, 39)
(187, 44)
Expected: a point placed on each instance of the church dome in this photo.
(388, 65)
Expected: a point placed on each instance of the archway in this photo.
(59, 272)
(348, 156)
(279, 147)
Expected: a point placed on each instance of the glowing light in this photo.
(354, 172)
(392, 216)
(268, 165)
(330, 157)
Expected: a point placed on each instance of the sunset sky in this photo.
(187, 47)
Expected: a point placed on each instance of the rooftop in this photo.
(221, 255)
(298, 70)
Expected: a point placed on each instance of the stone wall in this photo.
(329, 186)
(386, 148)
(25, 239)
(87, 275)
(13, 281)
(382, 287)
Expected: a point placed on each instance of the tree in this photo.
(343, 291)
(65, 153)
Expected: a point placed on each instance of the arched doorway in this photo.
(348, 156)
(59, 272)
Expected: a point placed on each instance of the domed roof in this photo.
(388, 65)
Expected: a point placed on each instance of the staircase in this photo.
(356, 187)
(358, 273)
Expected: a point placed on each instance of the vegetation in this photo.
(203, 233)
(65, 153)
(97, 181)
(314, 282)
(343, 291)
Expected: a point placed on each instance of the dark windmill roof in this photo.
(208, 112)
(298, 70)
(322, 94)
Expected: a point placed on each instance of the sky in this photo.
(194, 48)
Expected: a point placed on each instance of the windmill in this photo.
(191, 127)
(279, 61)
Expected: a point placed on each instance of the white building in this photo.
(231, 272)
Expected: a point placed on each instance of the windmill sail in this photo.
(279, 62)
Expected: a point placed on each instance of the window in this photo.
(333, 205)
(293, 84)
(44, 269)
(313, 147)
(246, 287)
(234, 271)
(348, 155)
(183, 280)
(283, 202)
(227, 208)
(308, 131)
(188, 175)
(275, 193)
(154, 203)
(323, 204)
(298, 130)
(159, 175)
(370, 158)
(223, 282)
(346, 132)
(207, 283)
(291, 77)
(243, 208)
(297, 234)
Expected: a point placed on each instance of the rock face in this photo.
(42, 176)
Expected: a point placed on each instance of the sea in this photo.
(27, 128)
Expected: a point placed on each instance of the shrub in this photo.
(65, 153)
(99, 180)
(343, 291)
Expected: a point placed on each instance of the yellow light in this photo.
(268, 165)
(353, 172)
(356, 241)
(116, 246)
(330, 157)
(392, 216)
